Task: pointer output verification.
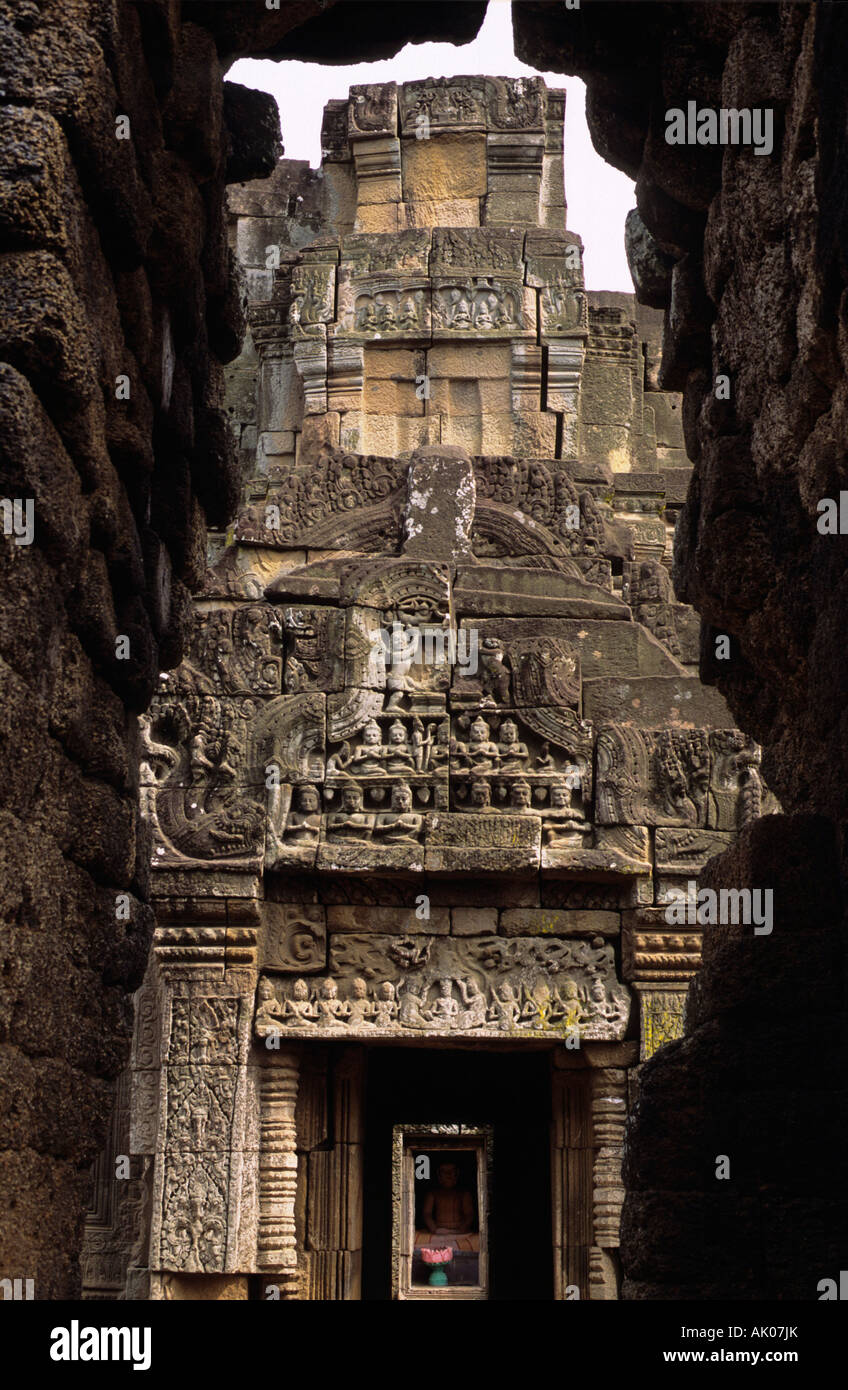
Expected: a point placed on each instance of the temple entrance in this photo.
(501, 1104)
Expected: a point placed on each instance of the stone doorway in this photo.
(510, 1092)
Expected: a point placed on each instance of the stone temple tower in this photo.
(437, 761)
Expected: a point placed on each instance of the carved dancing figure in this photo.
(385, 313)
(474, 1014)
(417, 743)
(504, 1007)
(539, 1005)
(367, 318)
(573, 1013)
(612, 1011)
(413, 1012)
(494, 675)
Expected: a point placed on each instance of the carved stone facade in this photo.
(437, 757)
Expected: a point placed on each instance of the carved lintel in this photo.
(420, 986)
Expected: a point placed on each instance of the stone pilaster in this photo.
(609, 1111)
(277, 1252)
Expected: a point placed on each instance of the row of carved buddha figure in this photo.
(481, 307)
(412, 1003)
(429, 748)
(403, 821)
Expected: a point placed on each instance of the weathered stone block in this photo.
(396, 364)
(653, 701)
(469, 361)
(398, 921)
(33, 169)
(319, 432)
(610, 444)
(293, 937)
(45, 333)
(528, 921)
(441, 212)
(385, 434)
(379, 219)
(474, 921)
(453, 166)
(468, 842)
(384, 397)
(606, 397)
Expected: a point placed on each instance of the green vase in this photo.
(438, 1278)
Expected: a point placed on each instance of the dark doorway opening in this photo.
(509, 1091)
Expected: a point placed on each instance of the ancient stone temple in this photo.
(438, 759)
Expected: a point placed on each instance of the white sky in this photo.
(598, 196)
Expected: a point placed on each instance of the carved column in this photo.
(526, 376)
(609, 1111)
(553, 173)
(372, 132)
(310, 358)
(565, 364)
(203, 1204)
(277, 1235)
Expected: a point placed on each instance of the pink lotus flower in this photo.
(436, 1257)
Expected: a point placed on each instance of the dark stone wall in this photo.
(114, 262)
(757, 291)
